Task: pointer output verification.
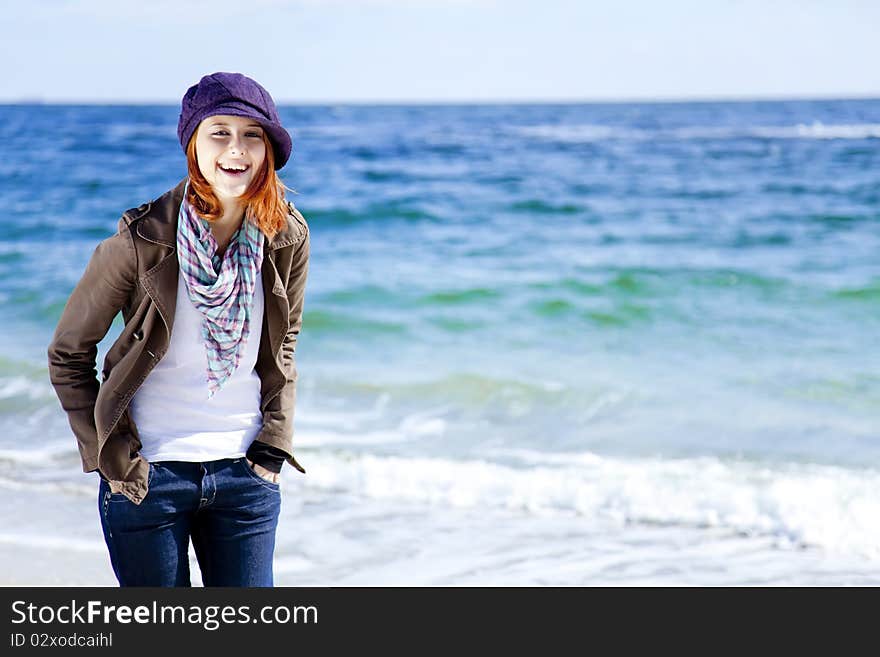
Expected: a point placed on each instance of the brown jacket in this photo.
(136, 271)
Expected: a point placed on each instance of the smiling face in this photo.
(230, 152)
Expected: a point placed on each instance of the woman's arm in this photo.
(270, 458)
(278, 416)
(99, 295)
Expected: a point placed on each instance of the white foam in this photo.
(576, 133)
(586, 133)
(535, 457)
(318, 438)
(818, 130)
(19, 386)
(49, 451)
(292, 564)
(347, 418)
(830, 507)
(420, 424)
(77, 489)
(63, 543)
(353, 428)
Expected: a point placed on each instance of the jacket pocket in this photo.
(131, 339)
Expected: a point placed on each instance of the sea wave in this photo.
(586, 133)
(800, 505)
(804, 505)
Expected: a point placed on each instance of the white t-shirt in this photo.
(175, 418)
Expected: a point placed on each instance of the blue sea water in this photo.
(608, 343)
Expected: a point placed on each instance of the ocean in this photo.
(573, 344)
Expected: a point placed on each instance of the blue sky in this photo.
(308, 51)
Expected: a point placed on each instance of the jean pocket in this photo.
(271, 485)
(120, 497)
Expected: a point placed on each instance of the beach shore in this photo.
(340, 541)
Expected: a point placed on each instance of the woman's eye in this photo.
(223, 133)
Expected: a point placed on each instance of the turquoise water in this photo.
(525, 288)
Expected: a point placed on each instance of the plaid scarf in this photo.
(221, 288)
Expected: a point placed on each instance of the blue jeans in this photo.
(228, 510)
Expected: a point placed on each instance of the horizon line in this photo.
(731, 98)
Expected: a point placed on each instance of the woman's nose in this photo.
(237, 145)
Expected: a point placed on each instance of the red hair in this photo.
(264, 199)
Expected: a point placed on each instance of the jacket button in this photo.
(138, 335)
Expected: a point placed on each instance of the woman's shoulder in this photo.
(295, 216)
(160, 213)
(296, 231)
(169, 197)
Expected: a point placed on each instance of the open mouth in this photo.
(233, 171)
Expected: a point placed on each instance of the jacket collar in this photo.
(157, 221)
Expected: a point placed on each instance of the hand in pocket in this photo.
(268, 475)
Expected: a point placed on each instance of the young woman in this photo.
(193, 418)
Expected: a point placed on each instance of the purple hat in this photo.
(236, 95)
